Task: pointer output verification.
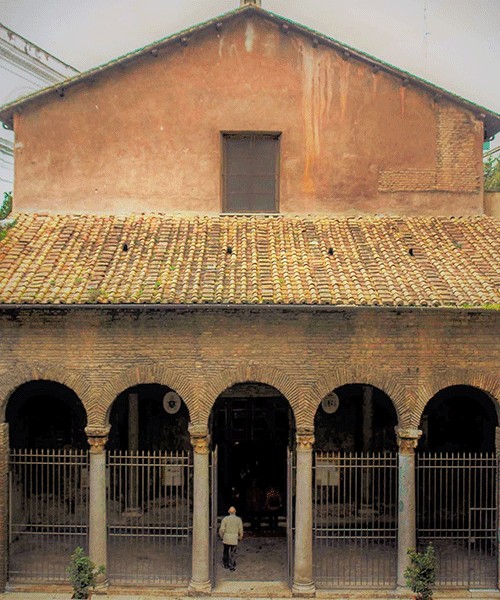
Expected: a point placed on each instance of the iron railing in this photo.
(457, 511)
(149, 517)
(355, 519)
(48, 512)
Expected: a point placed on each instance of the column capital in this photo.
(305, 438)
(97, 438)
(200, 439)
(407, 438)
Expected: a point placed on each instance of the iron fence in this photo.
(48, 512)
(149, 517)
(457, 512)
(355, 519)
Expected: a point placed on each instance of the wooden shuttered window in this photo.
(250, 172)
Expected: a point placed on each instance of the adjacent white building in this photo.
(24, 69)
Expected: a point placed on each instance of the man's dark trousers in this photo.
(229, 557)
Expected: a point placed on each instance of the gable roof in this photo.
(251, 260)
(491, 118)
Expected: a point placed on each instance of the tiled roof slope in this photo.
(152, 259)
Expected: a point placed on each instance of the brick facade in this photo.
(409, 354)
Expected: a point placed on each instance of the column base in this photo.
(200, 588)
(303, 590)
(101, 587)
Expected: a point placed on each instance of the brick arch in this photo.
(335, 378)
(24, 373)
(296, 395)
(141, 374)
(487, 383)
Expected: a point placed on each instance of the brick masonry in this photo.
(455, 171)
(410, 354)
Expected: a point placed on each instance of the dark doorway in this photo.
(252, 427)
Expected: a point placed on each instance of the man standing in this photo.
(231, 531)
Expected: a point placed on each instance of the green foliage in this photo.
(420, 575)
(4, 228)
(6, 206)
(492, 174)
(82, 573)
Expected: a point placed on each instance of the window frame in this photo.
(275, 135)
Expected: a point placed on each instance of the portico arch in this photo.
(338, 377)
(459, 418)
(24, 373)
(488, 383)
(296, 394)
(175, 379)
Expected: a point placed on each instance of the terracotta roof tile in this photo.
(159, 259)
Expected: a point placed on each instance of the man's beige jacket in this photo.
(231, 530)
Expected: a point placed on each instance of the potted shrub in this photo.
(82, 574)
(420, 574)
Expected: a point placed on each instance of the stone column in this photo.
(200, 583)
(98, 531)
(303, 584)
(4, 502)
(407, 536)
(497, 452)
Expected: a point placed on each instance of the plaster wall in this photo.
(492, 204)
(145, 136)
(409, 354)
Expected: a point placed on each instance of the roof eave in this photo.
(5, 308)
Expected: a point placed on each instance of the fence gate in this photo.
(355, 519)
(457, 512)
(149, 517)
(48, 512)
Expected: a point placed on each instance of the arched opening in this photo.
(150, 483)
(459, 419)
(45, 414)
(252, 427)
(355, 489)
(149, 417)
(48, 484)
(456, 473)
(355, 418)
